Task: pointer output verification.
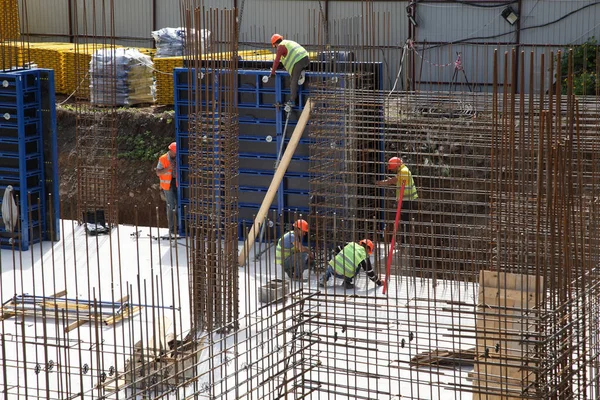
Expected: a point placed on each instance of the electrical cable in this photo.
(468, 3)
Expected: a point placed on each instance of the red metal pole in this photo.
(393, 241)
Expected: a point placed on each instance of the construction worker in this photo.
(295, 60)
(291, 254)
(166, 170)
(403, 176)
(348, 261)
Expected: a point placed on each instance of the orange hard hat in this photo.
(394, 163)
(173, 147)
(369, 244)
(302, 225)
(276, 37)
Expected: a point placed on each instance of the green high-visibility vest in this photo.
(410, 190)
(347, 261)
(295, 53)
(281, 253)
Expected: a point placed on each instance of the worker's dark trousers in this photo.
(331, 272)
(295, 265)
(300, 66)
(171, 197)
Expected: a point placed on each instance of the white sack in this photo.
(10, 213)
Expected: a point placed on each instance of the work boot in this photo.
(348, 284)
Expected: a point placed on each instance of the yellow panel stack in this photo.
(165, 65)
(164, 78)
(50, 55)
(9, 20)
(10, 55)
(76, 68)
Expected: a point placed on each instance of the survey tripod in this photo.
(458, 68)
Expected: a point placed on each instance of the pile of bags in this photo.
(170, 42)
(121, 77)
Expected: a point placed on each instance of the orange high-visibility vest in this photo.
(165, 179)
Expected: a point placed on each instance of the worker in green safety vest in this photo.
(402, 176)
(349, 260)
(291, 254)
(295, 60)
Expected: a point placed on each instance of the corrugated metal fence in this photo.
(474, 29)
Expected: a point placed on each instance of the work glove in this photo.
(379, 282)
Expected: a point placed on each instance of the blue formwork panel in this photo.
(187, 82)
(262, 131)
(28, 154)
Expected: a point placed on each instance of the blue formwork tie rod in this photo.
(32, 298)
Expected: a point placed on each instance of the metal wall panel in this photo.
(435, 67)
(168, 12)
(452, 22)
(582, 23)
(48, 17)
(132, 21)
(290, 18)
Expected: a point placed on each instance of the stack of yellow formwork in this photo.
(9, 20)
(11, 55)
(76, 68)
(164, 78)
(164, 70)
(49, 55)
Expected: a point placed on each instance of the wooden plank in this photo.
(64, 305)
(507, 300)
(75, 325)
(274, 186)
(126, 313)
(6, 314)
(158, 342)
(62, 293)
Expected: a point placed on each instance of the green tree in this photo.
(585, 70)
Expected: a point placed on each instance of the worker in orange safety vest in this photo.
(166, 170)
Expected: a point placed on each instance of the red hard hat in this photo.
(302, 225)
(369, 244)
(173, 147)
(394, 163)
(275, 38)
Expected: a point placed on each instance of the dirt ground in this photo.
(137, 183)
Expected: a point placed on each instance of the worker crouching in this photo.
(291, 254)
(348, 261)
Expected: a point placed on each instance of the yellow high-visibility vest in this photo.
(295, 53)
(347, 261)
(410, 190)
(281, 253)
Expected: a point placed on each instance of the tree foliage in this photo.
(585, 69)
